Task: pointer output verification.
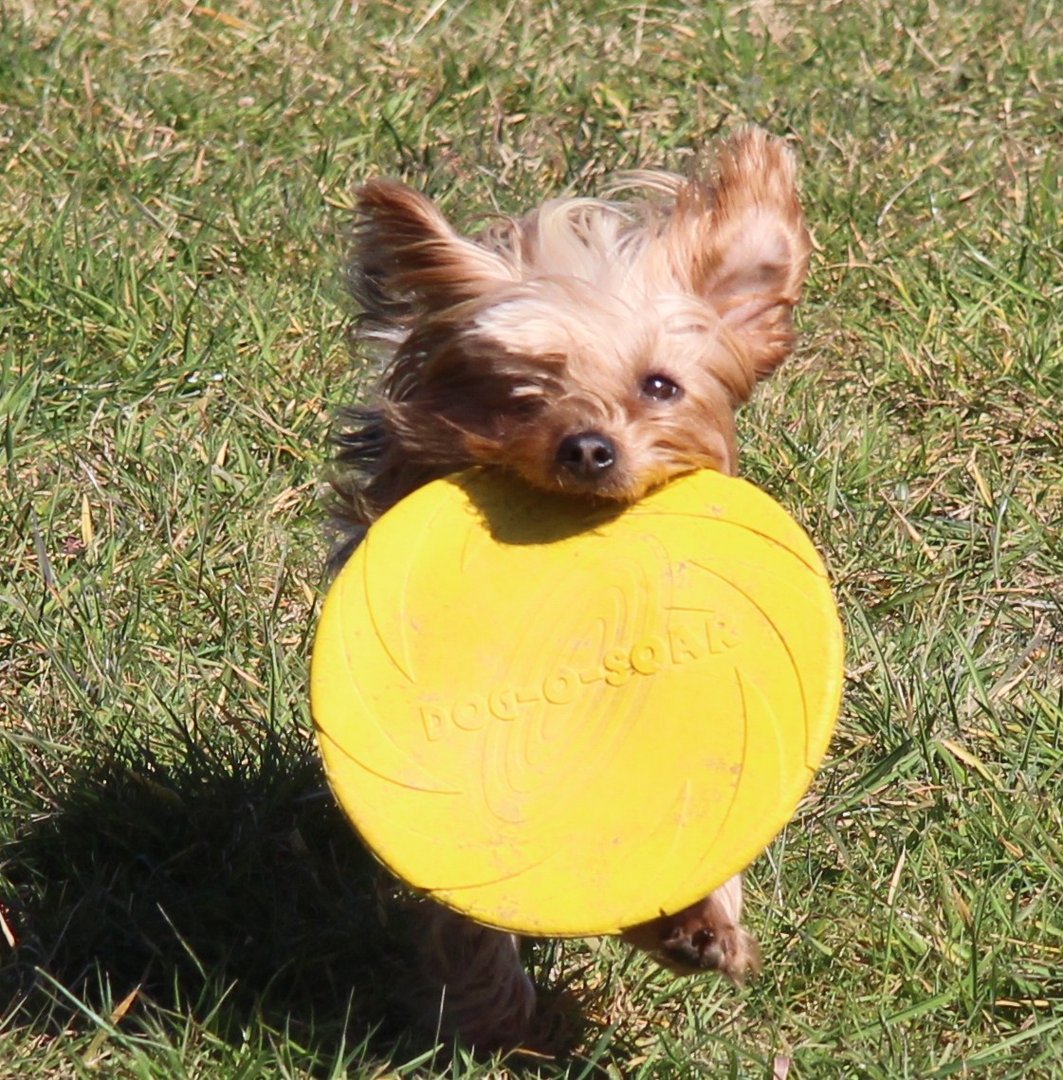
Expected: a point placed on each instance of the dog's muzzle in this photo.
(587, 456)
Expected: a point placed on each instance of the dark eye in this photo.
(526, 408)
(661, 388)
(524, 403)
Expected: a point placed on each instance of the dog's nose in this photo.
(587, 455)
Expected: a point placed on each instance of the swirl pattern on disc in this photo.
(565, 719)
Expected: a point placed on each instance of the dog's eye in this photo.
(525, 407)
(661, 388)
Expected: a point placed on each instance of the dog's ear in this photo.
(407, 254)
(749, 248)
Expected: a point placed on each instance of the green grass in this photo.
(174, 192)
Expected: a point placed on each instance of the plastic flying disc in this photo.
(566, 719)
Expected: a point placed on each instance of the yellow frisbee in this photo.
(566, 719)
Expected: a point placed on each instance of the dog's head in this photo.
(595, 347)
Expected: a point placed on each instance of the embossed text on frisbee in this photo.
(682, 644)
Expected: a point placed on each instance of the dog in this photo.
(597, 347)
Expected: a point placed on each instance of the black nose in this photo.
(587, 455)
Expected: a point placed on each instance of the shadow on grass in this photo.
(233, 892)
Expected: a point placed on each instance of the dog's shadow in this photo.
(228, 889)
(232, 886)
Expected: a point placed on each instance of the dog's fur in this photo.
(592, 347)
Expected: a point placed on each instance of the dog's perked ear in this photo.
(745, 247)
(408, 258)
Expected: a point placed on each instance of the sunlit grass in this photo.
(178, 895)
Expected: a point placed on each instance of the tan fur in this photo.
(596, 347)
(706, 936)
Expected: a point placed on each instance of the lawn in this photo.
(178, 894)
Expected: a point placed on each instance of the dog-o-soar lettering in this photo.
(681, 644)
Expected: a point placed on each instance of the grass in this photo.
(178, 895)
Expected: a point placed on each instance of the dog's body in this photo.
(593, 347)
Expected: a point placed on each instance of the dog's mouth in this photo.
(592, 464)
(614, 489)
(587, 463)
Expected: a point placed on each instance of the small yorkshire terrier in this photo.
(592, 347)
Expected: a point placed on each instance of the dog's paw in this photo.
(689, 948)
(703, 937)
